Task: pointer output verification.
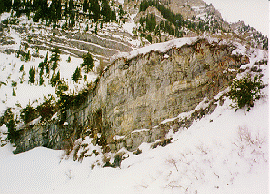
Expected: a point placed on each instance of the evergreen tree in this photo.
(86, 28)
(121, 12)
(12, 133)
(52, 12)
(7, 5)
(55, 79)
(27, 56)
(37, 15)
(69, 58)
(85, 6)
(41, 80)
(16, 5)
(28, 7)
(95, 10)
(55, 58)
(66, 9)
(32, 75)
(149, 38)
(60, 88)
(41, 66)
(13, 93)
(28, 114)
(2, 7)
(21, 68)
(150, 23)
(113, 15)
(46, 58)
(157, 30)
(58, 9)
(77, 75)
(70, 6)
(46, 64)
(10, 123)
(88, 62)
(47, 68)
(106, 11)
(41, 9)
(47, 109)
(72, 20)
(95, 29)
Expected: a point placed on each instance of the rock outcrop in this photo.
(135, 94)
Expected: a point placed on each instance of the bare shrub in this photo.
(250, 146)
(172, 162)
(68, 146)
(69, 174)
(82, 155)
(245, 136)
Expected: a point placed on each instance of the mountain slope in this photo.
(42, 56)
(222, 152)
(225, 152)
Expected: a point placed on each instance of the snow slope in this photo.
(225, 152)
(22, 92)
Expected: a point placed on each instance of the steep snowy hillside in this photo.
(225, 152)
(28, 47)
(52, 64)
(25, 41)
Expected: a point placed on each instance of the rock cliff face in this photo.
(135, 94)
(141, 92)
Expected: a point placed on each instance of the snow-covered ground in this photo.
(26, 93)
(225, 152)
(15, 89)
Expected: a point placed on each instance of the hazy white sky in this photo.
(253, 12)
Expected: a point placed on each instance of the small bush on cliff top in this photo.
(245, 91)
(28, 114)
(10, 121)
(47, 109)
